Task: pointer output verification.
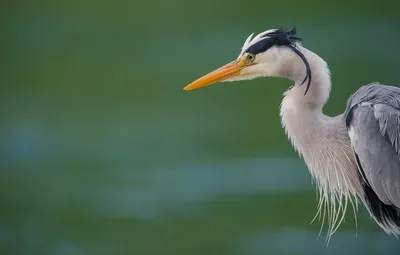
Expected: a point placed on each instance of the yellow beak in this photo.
(227, 71)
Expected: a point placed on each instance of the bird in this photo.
(353, 157)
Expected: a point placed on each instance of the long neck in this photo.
(294, 69)
(322, 141)
(301, 113)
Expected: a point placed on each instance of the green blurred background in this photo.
(102, 152)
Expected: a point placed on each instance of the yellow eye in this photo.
(251, 57)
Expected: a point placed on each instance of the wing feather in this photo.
(373, 121)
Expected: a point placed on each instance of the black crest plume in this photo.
(282, 38)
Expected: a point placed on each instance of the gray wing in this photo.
(373, 121)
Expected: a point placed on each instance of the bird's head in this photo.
(263, 55)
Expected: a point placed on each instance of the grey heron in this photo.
(352, 157)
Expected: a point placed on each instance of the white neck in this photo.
(301, 113)
(322, 141)
(294, 69)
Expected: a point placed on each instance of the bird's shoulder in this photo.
(373, 94)
(376, 93)
(373, 123)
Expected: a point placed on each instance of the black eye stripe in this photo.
(279, 37)
(261, 46)
(282, 38)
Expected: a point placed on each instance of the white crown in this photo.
(249, 42)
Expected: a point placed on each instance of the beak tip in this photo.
(189, 87)
(227, 71)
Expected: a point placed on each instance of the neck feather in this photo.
(295, 69)
(322, 141)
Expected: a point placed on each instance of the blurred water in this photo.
(175, 186)
(102, 152)
(343, 243)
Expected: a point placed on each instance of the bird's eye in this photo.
(251, 57)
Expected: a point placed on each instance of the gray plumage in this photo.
(373, 120)
(352, 156)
